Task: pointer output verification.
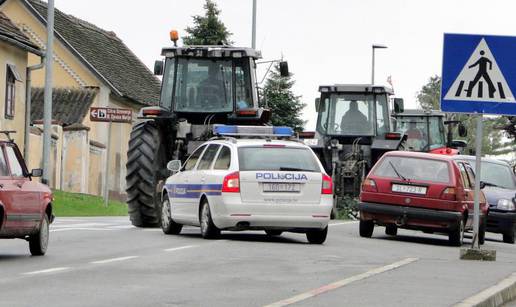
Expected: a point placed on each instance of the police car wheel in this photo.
(168, 226)
(317, 236)
(273, 232)
(208, 229)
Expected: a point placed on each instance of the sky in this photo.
(324, 41)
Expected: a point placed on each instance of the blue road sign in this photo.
(479, 74)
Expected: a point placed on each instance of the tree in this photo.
(286, 107)
(429, 98)
(208, 29)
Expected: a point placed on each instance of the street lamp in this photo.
(375, 46)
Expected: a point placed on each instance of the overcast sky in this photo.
(324, 41)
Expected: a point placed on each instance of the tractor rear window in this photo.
(413, 169)
(277, 159)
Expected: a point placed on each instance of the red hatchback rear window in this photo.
(413, 169)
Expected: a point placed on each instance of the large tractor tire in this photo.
(146, 160)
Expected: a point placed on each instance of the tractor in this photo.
(201, 86)
(425, 131)
(353, 131)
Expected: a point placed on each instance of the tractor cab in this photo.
(348, 112)
(214, 81)
(425, 131)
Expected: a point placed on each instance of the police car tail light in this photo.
(231, 183)
(327, 185)
(369, 185)
(449, 194)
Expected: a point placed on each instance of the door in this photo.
(468, 181)
(205, 181)
(181, 196)
(7, 188)
(482, 200)
(26, 205)
(278, 175)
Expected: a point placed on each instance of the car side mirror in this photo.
(463, 131)
(482, 185)
(158, 68)
(37, 172)
(399, 106)
(317, 104)
(458, 144)
(174, 166)
(283, 67)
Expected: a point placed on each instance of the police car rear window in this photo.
(277, 159)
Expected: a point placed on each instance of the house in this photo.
(92, 68)
(15, 48)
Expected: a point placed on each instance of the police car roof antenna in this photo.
(8, 134)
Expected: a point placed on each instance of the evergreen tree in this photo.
(286, 107)
(208, 29)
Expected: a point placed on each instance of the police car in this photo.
(260, 182)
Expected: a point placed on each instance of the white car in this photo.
(249, 184)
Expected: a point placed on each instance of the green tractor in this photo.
(353, 131)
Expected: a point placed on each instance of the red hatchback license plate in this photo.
(410, 189)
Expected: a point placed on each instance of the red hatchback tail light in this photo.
(231, 183)
(327, 185)
(369, 185)
(449, 194)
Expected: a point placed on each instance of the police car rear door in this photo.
(279, 174)
(205, 183)
(180, 188)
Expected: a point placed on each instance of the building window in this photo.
(10, 93)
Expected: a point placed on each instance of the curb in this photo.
(497, 295)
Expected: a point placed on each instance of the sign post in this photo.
(110, 116)
(478, 77)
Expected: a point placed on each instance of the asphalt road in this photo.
(107, 262)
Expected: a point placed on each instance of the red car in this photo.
(25, 205)
(420, 191)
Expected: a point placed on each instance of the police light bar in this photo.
(271, 131)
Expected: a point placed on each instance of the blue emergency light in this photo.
(270, 131)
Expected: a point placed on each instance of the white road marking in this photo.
(179, 248)
(113, 260)
(341, 283)
(52, 270)
(81, 225)
(81, 228)
(122, 227)
(342, 223)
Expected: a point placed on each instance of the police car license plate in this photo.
(281, 187)
(412, 189)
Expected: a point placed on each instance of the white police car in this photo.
(249, 184)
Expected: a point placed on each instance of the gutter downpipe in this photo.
(28, 106)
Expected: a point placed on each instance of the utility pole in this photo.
(374, 47)
(253, 43)
(47, 107)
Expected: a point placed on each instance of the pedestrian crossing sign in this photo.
(479, 74)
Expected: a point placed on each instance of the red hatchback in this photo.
(25, 208)
(420, 191)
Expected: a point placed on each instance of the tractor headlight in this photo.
(505, 204)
